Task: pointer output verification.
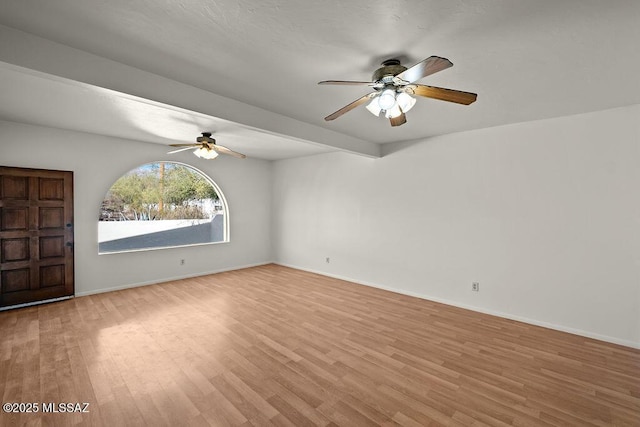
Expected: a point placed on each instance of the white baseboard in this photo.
(535, 322)
(167, 279)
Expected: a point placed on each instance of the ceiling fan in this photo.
(394, 86)
(206, 148)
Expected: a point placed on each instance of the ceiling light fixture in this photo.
(373, 107)
(387, 99)
(393, 112)
(393, 104)
(405, 101)
(206, 153)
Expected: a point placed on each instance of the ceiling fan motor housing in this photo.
(390, 67)
(206, 137)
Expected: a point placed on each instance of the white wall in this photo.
(545, 215)
(98, 161)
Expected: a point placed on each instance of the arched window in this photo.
(161, 205)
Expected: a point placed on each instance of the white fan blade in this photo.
(181, 149)
(225, 150)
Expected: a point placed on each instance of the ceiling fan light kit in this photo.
(206, 148)
(391, 102)
(205, 153)
(394, 86)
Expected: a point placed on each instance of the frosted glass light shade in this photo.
(405, 101)
(373, 107)
(393, 112)
(205, 153)
(387, 99)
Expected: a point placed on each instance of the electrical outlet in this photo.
(328, 260)
(475, 286)
(182, 262)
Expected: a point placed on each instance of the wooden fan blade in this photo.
(397, 121)
(184, 145)
(181, 149)
(442, 94)
(225, 150)
(351, 106)
(343, 82)
(431, 65)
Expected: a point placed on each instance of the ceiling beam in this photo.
(39, 54)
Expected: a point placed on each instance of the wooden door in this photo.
(36, 235)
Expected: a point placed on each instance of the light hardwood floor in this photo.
(276, 346)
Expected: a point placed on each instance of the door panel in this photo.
(15, 280)
(51, 189)
(36, 235)
(14, 219)
(51, 247)
(14, 250)
(51, 218)
(15, 187)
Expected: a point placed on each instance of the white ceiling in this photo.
(527, 60)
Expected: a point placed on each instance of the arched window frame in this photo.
(219, 192)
